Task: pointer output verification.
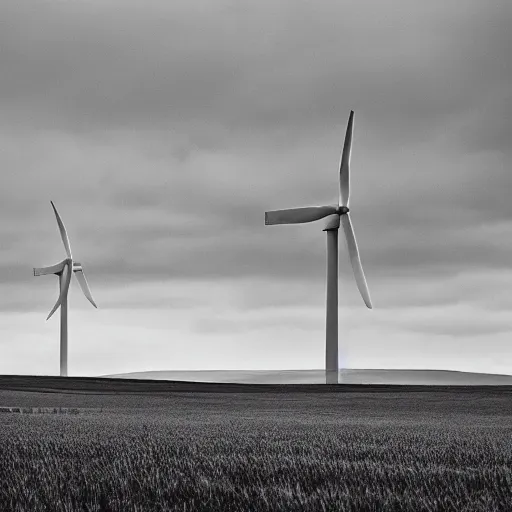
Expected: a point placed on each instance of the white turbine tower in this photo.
(64, 270)
(334, 214)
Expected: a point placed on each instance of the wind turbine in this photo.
(334, 215)
(64, 270)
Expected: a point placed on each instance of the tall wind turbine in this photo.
(64, 270)
(334, 215)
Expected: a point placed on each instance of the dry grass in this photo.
(241, 453)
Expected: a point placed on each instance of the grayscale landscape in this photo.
(208, 166)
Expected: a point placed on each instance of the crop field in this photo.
(364, 449)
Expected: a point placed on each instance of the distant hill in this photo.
(353, 376)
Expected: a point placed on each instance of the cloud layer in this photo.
(163, 131)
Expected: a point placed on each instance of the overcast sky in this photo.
(164, 130)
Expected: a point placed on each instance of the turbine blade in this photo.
(355, 260)
(63, 232)
(298, 215)
(345, 163)
(80, 276)
(63, 289)
(54, 269)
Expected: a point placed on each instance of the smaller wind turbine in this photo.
(64, 270)
(335, 215)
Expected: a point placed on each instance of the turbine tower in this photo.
(334, 215)
(64, 270)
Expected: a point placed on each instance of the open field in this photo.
(141, 445)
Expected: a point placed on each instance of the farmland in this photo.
(166, 447)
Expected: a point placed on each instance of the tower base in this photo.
(331, 377)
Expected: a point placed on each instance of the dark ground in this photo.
(145, 445)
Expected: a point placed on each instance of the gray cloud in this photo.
(163, 131)
(260, 67)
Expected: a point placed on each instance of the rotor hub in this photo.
(343, 210)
